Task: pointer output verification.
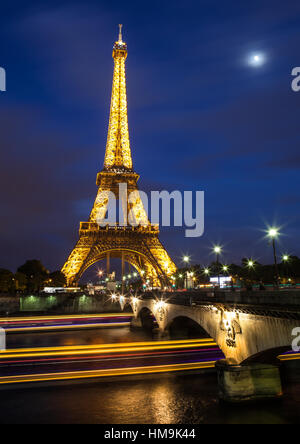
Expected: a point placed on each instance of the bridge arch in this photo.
(147, 318)
(184, 327)
(267, 356)
(169, 316)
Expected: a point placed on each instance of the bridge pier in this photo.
(161, 335)
(244, 383)
(136, 323)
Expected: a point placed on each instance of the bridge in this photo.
(251, 329)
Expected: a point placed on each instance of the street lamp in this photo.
(273, 234)
(186, 260)
(285, 260)
(250, 263)
(218, 251)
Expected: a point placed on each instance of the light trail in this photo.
(50, 323)
(73, 359)
(68, 327)
(289, 357)
(51, 318)
(90, 374)
(103, 349)
(119, 359)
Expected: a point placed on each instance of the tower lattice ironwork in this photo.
(138, 244)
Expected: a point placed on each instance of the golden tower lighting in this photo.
(138, 245)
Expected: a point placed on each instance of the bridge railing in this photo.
(266, 298)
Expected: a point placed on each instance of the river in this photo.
(163, 399)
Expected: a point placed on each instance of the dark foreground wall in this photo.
(57, 304)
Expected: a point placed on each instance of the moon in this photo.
(256, 59)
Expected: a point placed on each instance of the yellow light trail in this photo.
(9, 321)
(290, 357)
(69, 327)
(104, 348)
(54, 318)
(89, 374)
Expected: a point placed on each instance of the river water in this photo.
(161, 399)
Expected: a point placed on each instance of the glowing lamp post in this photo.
(273, 234)
(285, 260)
(250, 264)
(186, 260)
(218, 251)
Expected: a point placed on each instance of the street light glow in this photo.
(206, 270)
(251, 263)
(217, 249)
(186, 259)
(273, 233)
(285, 258)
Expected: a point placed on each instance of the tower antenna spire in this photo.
(120, 33)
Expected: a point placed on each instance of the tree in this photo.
(7, 283)
(56, 279)
(35, 273)
(20, 281)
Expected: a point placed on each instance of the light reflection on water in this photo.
(83, 337)
(160, 400)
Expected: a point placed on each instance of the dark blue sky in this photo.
(200, 118)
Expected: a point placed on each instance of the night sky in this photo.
(200, 118)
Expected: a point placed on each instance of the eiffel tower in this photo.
(137, 244)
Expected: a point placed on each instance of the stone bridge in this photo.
(251, 329)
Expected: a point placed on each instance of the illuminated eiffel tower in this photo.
(138, 245)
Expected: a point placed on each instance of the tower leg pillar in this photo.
(123, 271)
(108, 264)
